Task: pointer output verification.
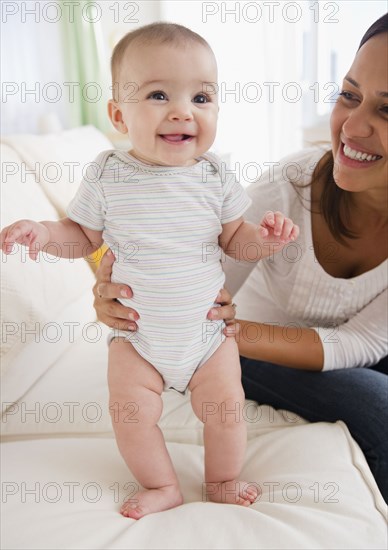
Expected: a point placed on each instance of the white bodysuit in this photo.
(163, 225)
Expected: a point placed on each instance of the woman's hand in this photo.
(109, 310)
(226, 311)
(115, 315)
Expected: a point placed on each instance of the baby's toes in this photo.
(133, 511)
(250, 494)
(241, 501)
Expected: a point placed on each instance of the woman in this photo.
(314, 313)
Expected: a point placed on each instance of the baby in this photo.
(167, 209)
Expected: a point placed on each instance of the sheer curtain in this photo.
(87, 66)
(32, 72)
(54, 66)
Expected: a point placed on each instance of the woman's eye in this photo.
(161, 96)
(200, 98)
(384, 109)
(346, 95)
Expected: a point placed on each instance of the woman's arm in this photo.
(360, 342)
(299, 348)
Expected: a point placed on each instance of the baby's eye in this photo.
(160, 96)
(384, 109)
(201, 98)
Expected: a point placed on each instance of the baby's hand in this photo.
(35, 235)
(276, 226)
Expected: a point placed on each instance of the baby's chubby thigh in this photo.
(135, 387)
(217, 395)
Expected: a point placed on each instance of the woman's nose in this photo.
(358, 123)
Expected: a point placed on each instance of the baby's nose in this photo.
(181, 111)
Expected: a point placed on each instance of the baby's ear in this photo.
(116, 117)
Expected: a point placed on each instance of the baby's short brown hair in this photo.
(155, 33)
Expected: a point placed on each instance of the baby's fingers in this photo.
(279, 224)
(269, 219)
(287, 230)
(295, 232)
(22, 233)
(33, 248)
(9, 236)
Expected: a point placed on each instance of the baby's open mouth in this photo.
(175, 138)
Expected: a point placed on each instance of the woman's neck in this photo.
(369, 208)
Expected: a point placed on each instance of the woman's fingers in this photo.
(117, 324)
(109, 310)
(104, 271)
(224, 297)
(226, 311)
(115, 315)
(111, 291)
(232, 330)
(103, 287)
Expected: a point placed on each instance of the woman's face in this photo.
(359, 121)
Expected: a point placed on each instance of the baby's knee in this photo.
(227, 411)
(140, 406)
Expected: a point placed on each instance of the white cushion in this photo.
(313, 496)
(35, 295)
(60, 159)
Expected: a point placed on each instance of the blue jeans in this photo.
(358, 397)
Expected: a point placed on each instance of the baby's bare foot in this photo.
(232, 492)
(152, 500)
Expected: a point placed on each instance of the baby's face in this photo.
(167, 103)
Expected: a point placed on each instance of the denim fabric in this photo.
(358, 397)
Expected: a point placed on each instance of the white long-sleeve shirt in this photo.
(292, 289)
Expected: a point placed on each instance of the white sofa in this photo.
(62, 476)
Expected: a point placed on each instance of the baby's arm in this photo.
(64, 238)
(248, 242)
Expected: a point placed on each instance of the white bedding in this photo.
(62, 476)
(66, 493)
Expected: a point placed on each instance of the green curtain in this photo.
(86, 66)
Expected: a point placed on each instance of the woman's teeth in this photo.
(357, 155)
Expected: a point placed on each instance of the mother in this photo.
(318, 310)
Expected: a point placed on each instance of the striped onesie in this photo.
(163, 225)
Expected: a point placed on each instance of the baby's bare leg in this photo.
(135, 405)
(217, 397)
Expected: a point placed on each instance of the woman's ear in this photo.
(116, 117)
